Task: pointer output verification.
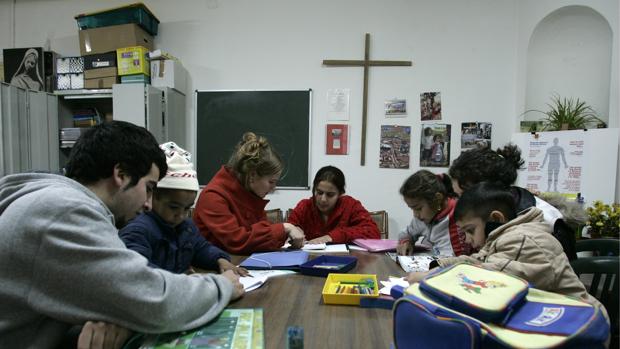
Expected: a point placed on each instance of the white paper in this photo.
(321, 248)
(338, 104)
(387, 285)
(259, 277)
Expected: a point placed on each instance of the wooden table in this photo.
(296, 300)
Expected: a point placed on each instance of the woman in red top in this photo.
(331, 216)
(230, 211)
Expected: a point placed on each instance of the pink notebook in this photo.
(377, 245)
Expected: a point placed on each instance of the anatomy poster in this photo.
(554, 162)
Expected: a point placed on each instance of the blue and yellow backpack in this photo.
(467, 306)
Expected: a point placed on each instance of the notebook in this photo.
(288, 260)
(377, 245)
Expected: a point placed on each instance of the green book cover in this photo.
(233, 329)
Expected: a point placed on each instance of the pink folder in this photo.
(377, 245)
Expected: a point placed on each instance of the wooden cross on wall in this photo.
(366, 63)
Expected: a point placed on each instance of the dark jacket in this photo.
(171, 248)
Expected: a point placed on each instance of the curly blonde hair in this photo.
(254, 155)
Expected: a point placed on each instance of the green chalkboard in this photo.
(283, 117)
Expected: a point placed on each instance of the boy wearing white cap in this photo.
(166, 236)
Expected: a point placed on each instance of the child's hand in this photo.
(321, 240)
(225, 265)
(416, 276)
(404, 248)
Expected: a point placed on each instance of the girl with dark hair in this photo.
(432, 200)
(497, 166)
(230, 211)
(330, 215)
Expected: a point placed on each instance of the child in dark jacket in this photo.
(166, 236)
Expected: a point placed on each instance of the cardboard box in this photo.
(133, 60)
(100, 60)
(100, 73)
(135, 79)
(106, 82)
(105, 39)
(169, 73)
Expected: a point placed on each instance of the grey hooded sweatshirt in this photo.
(62, 263)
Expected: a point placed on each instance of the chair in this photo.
(599, 247)
(288, 214)
(381, 219)
(603, 267)
(274, 215)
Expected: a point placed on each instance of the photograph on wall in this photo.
(338, 103)
(430, 106)
(394, 147)
(337, 138)
(396, 108)
(531, 126)
(554, 162)
(23, 67)
(435, 145)
(475, 135)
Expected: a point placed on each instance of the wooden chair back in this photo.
(274, 215)
(381, 219)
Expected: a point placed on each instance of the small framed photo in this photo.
(396, 108)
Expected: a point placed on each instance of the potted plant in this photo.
(568, 114)
(603, 220)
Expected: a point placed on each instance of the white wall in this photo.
(473, 52)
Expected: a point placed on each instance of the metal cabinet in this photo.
(28, 126)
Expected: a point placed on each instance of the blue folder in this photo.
(289, 260)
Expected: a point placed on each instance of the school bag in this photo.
(468, 306)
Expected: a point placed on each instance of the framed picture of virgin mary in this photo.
(23, 67)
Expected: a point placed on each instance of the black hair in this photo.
(484, 164)
(424, 185)
(113, 143)
(483, 198)
(332, 175)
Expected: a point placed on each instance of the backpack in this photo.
(467, 306)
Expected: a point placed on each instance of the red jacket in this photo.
(233, 218)
(349, 220)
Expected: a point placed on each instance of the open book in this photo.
(415, 263)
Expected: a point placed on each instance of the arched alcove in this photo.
(569, 54)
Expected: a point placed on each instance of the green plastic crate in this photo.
(135, 13)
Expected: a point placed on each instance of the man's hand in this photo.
(101, 335)
(238, 289)
(225, 265)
